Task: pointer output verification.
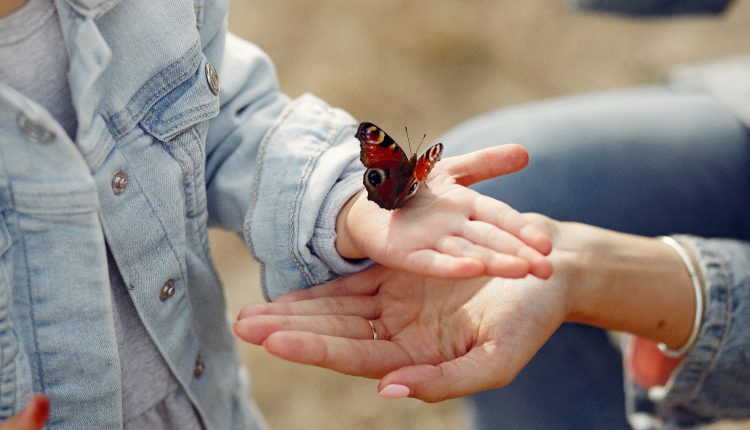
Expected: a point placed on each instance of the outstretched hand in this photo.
(448, 230)
(436, 339)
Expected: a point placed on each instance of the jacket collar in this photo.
(92, 8)
(89, 56)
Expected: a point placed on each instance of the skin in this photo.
(448, 230)
(31, 417)
(440, 339)
(7, 7)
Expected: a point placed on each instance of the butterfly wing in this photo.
(377, 149)
(388, 170)
(427, 161)
(418, 171)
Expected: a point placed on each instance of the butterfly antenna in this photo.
(407, 140)
(421, 141)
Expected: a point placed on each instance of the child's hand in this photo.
(447, 230)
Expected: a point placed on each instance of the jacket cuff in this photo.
(711, 382)
(324, 238)
(299, 161)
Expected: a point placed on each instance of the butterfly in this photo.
(391, 178)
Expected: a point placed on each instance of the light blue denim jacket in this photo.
(157, 157)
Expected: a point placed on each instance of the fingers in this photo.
(488, 163)
(368, 358)
(365, 282)
(495, 246)
(442, 264)
(497, 261)
(480, 369)
(31, 417)
(499, 214)
(364, 306)
(256, 329)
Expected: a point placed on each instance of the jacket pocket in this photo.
(15, 376)
(179, 121)
(189, 103)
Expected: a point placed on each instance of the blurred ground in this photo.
(428, 65)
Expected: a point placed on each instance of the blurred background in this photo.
(429, 65)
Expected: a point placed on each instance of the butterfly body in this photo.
(391, 177)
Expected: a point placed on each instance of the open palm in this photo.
(439, 338)
(448, 230)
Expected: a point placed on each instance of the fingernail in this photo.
(395, 391)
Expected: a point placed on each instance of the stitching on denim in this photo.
(183, 269)
(177, 118)
(8, 343)
(70, 210)
(96, 156)
(312, 160)
(48, 193)
(32, 317)
(703, 374)
(248, 224)
(727, 321)
(294, 220)
(31, 207)
(11, 195)
(96, 11)
(184, 153)
(193, 60)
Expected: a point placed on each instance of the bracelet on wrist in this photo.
(699, 302)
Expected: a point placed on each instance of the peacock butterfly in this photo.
(391, 178)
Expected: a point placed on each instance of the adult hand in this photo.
(436, 340)
(448, 230)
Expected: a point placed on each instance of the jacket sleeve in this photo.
(273, 164)
(713, 380)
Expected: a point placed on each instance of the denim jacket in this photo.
(159, 155)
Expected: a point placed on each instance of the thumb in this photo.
(31, 417)
(480, 369)
(487, 163)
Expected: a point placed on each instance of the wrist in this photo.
(345, 245)
(627, 283)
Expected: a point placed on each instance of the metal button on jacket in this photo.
(34, 131)
(200, 366)
(213, 78)
(119, 182)
(167, 290)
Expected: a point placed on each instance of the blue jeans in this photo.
(649, 161)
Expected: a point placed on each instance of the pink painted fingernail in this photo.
(395, 391)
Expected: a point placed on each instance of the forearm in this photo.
(344, 243)
(627, 283)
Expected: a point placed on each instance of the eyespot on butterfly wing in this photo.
(427, 161)
(391, 178)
